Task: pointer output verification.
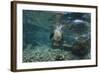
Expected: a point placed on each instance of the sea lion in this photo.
(57, 36)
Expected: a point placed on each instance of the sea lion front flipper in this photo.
(51, 35)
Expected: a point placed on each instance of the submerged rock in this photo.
(60, 57)
(81, 47)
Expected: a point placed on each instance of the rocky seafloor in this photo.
(45, 53)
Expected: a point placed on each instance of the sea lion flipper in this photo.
(51, 35)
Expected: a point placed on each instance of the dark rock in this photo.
(59, 57)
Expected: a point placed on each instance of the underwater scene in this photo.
(56, 36)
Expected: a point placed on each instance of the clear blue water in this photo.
(38, 27)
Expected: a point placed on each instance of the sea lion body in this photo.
(57, 36)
